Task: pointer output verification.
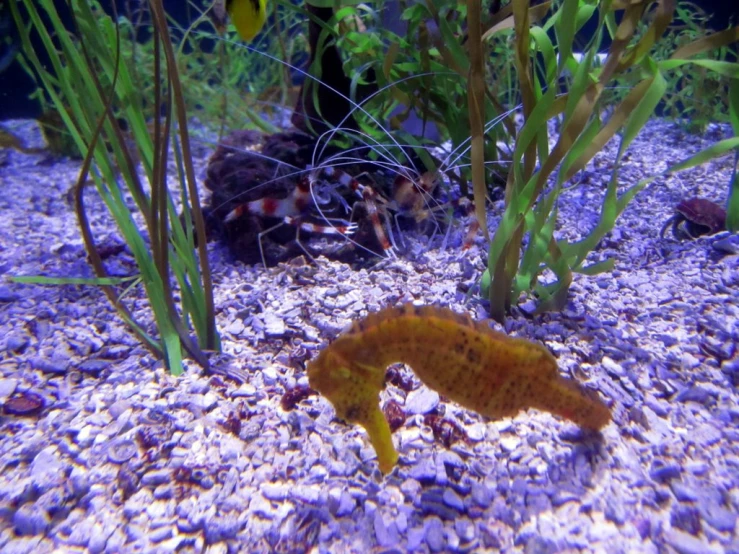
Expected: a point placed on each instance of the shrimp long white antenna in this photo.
(358, 106)
(365, 144)
(488, 126)
(355, 105)
(464, 147)
(390, 162)
(329, 134)
(399, 168)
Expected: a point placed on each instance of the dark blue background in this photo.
(15, 85)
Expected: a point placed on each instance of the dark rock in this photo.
(539, 545)
(221, 528)
(695, 393)
(55, 366)
(6, 295)
(717, 516)
(665, 473)
(93, 367)
(233, 170)
(686, 518)
(683, 492)
(25, 404)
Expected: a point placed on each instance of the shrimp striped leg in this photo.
(412, 198)
(289, 209)
(370, 202)
(468, 207)
(344, 230)
(290, 206)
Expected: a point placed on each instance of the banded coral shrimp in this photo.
(351, 206)
(263, 204)
(301, 184)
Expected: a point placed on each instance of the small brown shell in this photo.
(155, 416)
(704, 213)
(153, 436)
(232, 423)
(396, 376)
(293, 396)
(394, 414)
(24, 404)
(120, 451)
(446, 431)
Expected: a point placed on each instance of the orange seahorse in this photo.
(477, 367)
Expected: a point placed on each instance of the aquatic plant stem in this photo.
(475, 104)
(196, 210)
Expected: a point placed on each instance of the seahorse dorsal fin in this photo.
(427, 312)
(375, 318)
(465, 319)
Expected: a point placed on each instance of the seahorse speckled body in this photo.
(477, 367)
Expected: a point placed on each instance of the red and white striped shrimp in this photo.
(368, 211)
(408, 198)
(291, 210)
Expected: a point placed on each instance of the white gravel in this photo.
(125, 458)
